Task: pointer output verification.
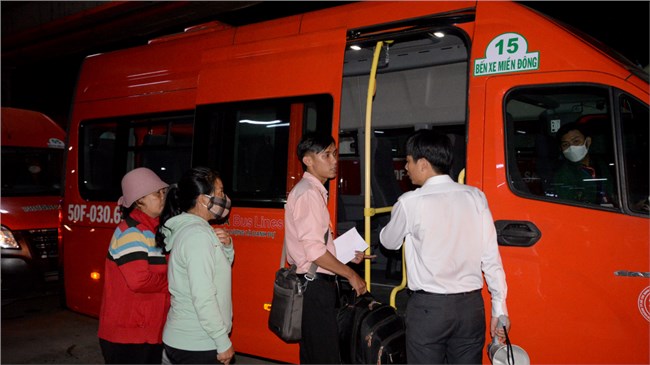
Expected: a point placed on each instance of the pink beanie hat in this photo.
(138, 183)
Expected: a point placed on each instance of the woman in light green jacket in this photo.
(200, 261)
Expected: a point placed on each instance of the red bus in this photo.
(32, 167)
(497, 77)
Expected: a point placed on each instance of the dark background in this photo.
(45, 42)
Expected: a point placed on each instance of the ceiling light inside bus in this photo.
(439, 34)
(354, 47)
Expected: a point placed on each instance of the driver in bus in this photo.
(581, 177)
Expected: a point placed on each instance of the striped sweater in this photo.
(135, 300)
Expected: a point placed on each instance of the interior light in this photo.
(95, 275)
(278, 125)
(354, 47)
(259, 122)
(439, 34)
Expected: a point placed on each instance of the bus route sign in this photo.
(506, 53)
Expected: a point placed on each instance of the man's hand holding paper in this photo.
(350, 247)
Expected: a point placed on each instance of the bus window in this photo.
(634, 125)
(161, 143)
(542, 124)
(248, 143)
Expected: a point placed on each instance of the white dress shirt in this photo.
(450, 240)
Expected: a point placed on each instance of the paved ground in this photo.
(36, 330)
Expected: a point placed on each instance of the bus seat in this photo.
(458, 148)
(343, 224)
(384, 185)
(385, 191)
(600, 130)
(101, 156)
(512, 157)
(165, 162)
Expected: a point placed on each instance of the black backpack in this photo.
(370, 332)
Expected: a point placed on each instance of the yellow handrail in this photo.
(372, 88)
(369, 211)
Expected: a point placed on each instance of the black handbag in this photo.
(285, 319)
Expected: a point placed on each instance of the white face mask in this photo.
(576, 153)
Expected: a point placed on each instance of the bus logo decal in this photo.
(506, 53)
(55, 143)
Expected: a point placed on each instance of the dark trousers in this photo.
(177, 356)
(131, 353)
(445, 328)
(320, 337)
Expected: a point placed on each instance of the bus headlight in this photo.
(7, 239)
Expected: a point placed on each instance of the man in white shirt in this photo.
(450, 243)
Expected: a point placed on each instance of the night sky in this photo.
(622, 25)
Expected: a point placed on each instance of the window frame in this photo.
(120, 164)
(218, 121)
(613, 94)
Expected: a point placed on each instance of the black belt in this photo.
(321, 276)
(444, 295)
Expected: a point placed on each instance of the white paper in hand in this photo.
(347, 243)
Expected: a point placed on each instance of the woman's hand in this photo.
(223, 236)
(226, 356)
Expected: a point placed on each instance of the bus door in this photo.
(577, 262)
(255, 101)
(421, 82)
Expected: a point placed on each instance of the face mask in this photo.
(219, 207)
(576, 153)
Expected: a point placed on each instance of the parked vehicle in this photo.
(497, 77)
(32, 166)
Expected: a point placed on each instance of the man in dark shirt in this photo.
(581, 177)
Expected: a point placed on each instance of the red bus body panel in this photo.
(306, 51)
(27, 128)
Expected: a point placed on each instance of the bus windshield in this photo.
(31, 171)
